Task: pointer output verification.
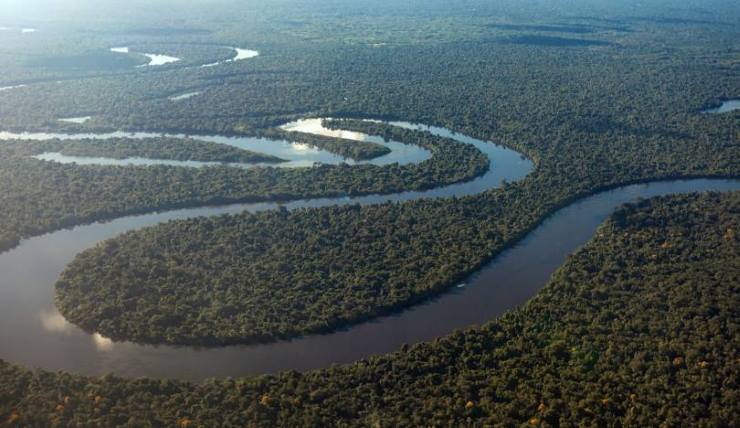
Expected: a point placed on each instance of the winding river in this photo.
(161, 59)
(154, 59)
(34, 334)
(239, 55)
(297, 155)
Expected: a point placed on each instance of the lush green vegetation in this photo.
(639, 328)
(38, 196)
(181, 149)
(320, 269)
(589, 116)
(592, 115)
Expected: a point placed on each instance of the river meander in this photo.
(34, 334)
(297, 155)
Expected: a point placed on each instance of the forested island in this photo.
(638, 327)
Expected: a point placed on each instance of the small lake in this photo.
(726, 107)
(132, 161)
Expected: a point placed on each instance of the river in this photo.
(34, 334)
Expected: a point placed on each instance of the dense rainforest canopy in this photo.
(617, 124)
(589, 115)
(638, 328)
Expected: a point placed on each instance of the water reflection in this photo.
(183, 96)
(132, 161)
(239, 55)
(157, 59)
(78, 120)
(315, 126)
(102, 343)
(53, 322)
(7, 88)
(400, 153)
(297, 155)
(26, 30)
(302, 147)
(154, 59)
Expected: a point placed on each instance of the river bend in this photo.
(33, 333)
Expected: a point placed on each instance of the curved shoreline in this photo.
(294, 154)
(62, 346)
(503, 283)
(239, 55)
(725, 106)
(508, 165)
